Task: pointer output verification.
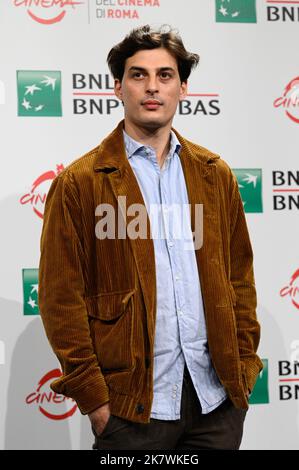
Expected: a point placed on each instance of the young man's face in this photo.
(150, 89)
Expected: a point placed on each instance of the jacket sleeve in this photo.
(242, 280)
(61, 298)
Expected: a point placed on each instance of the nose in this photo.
(152, 85)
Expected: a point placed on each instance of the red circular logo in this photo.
(290, 100)
(292, 289)
(39, 191)
(49, 12)
(50, 402)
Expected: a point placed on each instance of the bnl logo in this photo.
(2, 93)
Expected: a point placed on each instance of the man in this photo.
(157, 342)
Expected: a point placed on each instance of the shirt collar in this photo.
(132, 146)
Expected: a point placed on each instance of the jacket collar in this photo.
(133, 146)
(112, 153)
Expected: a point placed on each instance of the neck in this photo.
(159, 138)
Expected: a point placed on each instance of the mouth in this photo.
(151, 104)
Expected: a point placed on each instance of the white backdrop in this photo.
(249, 56)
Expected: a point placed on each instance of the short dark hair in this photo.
(145, 37)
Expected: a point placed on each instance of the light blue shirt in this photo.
(180, 335)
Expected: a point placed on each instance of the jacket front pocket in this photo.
(111, 323)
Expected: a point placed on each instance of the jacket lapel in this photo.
(112, 160)
(201, 181)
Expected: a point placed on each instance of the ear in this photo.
(183, 90)
(118, 88)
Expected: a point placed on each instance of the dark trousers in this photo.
(219, 429)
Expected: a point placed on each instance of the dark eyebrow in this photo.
(166, 69)
(141, 69)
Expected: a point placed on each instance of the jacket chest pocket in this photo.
(111, 328)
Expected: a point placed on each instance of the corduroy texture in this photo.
(97, 298)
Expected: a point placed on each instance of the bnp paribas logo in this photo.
(235, 11)
(250, 186)
(30, 290)
(39, 93)
(260, 393)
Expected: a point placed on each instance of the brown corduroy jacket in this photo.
(97, 297)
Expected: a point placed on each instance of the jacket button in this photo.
(139, 409)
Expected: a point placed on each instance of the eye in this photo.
(137, 75)
(165, 75)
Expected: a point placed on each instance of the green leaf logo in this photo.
(250, 186)
(235, 11)
(39, 93)
(260, 393)
(30, 290)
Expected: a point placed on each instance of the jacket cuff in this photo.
(91, 395)
(252, 371)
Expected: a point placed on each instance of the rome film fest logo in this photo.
(50, 404)
(289, 101)
(38, 193)
(47, 12)
(292, 289)
(123, 9)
